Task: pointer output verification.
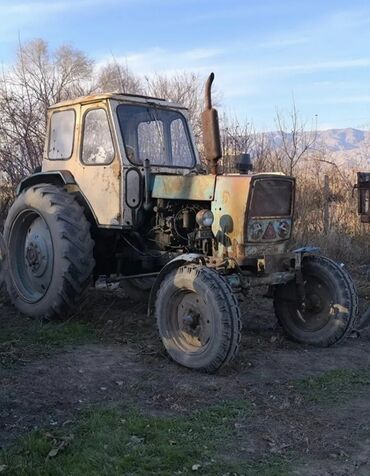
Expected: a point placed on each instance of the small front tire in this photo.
(198, 318)
(331, 304)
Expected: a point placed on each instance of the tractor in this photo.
(122, 194)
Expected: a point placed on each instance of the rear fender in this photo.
(59, 178)
(171, 265)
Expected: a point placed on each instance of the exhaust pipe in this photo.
(211, 129)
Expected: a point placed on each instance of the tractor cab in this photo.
(108, 140)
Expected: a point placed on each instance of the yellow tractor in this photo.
(122, 194)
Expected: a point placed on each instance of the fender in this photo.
(307, 250)
(171, 265)
(61, 178)
(56, 177)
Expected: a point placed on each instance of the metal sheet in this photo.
(229, 210)
(188, 187)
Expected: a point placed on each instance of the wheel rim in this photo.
(32, 255)
(189, 322)
(318, 309)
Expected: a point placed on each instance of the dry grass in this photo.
(345, 238)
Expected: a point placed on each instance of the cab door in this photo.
(98, 171)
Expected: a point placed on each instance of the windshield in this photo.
(160, 135)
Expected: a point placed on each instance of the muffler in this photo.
(211, 130)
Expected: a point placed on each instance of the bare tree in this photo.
(183, 88)
(236, 138)
(116, 77)
(292, 141)
(38, 79)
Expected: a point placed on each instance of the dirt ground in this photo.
(326, 435)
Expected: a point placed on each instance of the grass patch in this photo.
(22, 338)
(334, 386)
(115, 442)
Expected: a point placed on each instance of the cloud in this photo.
(165, 61)
(284, 42)
(327, 65)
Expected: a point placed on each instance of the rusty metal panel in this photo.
(229, 209)
(189, 187)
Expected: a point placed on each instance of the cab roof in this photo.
(120, 97)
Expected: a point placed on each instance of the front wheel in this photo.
(329, 310)
(198, 318)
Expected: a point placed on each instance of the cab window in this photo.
(62, 126)
(97, 144)
(158, 134)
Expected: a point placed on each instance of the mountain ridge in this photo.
(346, 139)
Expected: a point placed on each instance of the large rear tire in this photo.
(50, 252)
(198, 318)
(331, 304)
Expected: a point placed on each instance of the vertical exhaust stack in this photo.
(211, 129)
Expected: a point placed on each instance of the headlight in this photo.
(204, 218)
(256, 231)
(283, 229)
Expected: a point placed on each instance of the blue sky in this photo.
(263, 52)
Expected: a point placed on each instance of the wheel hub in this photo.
(192, 320)
(32, 257)
(36, 254)
(314, 302)
(315, 311)
(191, 323)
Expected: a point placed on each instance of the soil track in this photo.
(128, 366)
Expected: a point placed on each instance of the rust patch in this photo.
(229, 209)
(179, 187)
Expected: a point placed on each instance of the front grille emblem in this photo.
(270, 233)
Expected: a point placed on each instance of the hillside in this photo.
(344, 145)
(344, 139)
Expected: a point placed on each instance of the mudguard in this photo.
(55, 177)
(173, 264)
(307, 250)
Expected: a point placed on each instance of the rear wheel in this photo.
(198, 318)
(50, 252)
(330, 307)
